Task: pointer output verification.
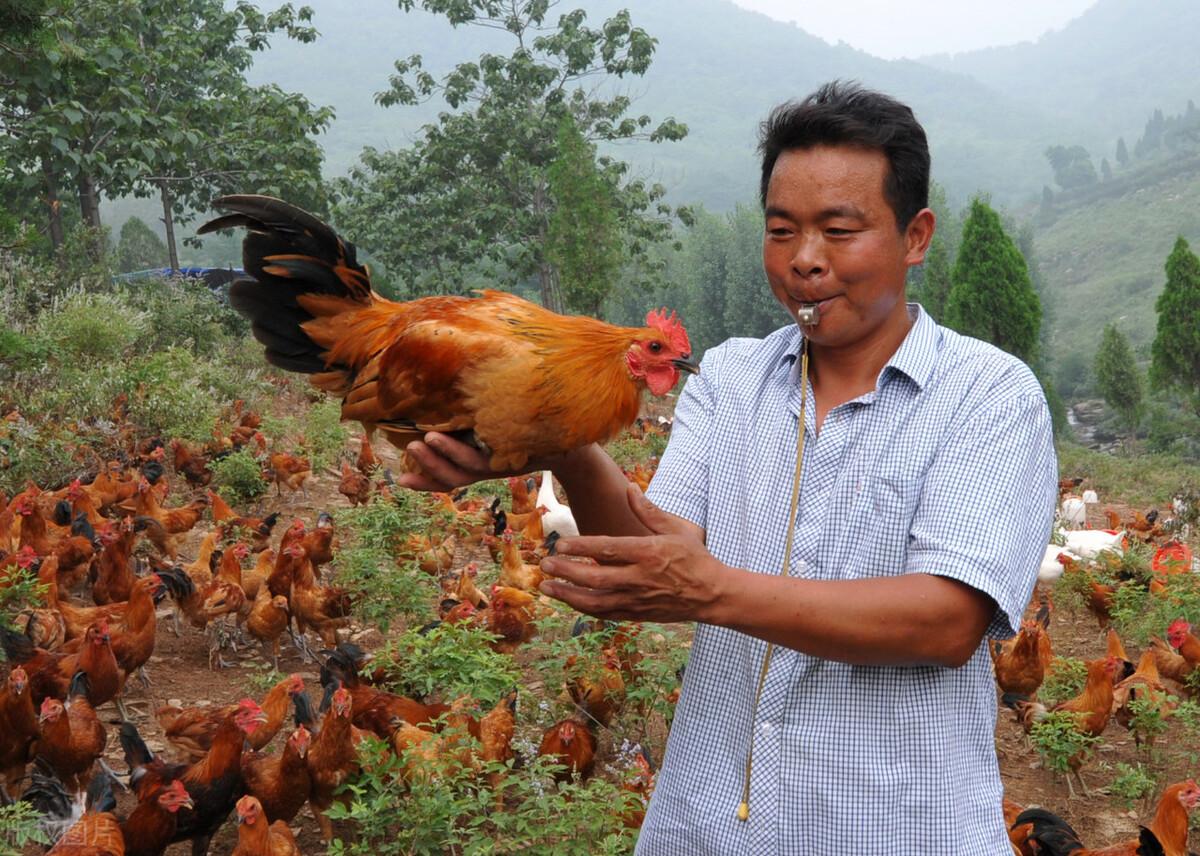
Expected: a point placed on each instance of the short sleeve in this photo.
(987, 506)
(680, 484)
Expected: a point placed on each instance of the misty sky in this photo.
(890, 29)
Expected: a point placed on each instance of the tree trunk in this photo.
(548, 282)
(169, 224)
(54, 206)
(89, 209)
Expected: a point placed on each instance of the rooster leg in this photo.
(143, 677)
(325, 824)
(120, 705)
(175, 622)
(1082, 784)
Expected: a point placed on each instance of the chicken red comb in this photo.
(674, 331)
(1179, 625)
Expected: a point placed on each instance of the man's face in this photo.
(831, 239)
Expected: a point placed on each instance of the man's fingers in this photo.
(438, 471)
(465, 456)
(420, 481)
(605, 549)
(591, 601)
(586, 574)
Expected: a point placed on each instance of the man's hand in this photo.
(666, 576)
(448, 464)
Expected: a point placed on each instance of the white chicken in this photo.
(1073, 512)
(1089, 543)
(558, 517)
(1051, 568)
(1089, 497)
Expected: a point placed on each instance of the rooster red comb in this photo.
(1179, 625)
(676, 335)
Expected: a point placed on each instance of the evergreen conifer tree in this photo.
(1118, 377)
(991, 296)
(1175, 354)
(1122, 152)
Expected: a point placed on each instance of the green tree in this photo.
(1072, 166)
(1122, 152)
(991, 296)
(929, 284)
(472, 195)
(1118, 377)
(583, 237)
(1175, 353)
(141, 96)
(139, 247)
(1105, 170)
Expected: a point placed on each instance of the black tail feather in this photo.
(1053, 835)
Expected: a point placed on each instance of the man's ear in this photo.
(918, 235)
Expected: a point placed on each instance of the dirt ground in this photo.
(180, 673)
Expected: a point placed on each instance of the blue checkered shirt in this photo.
(947, 467)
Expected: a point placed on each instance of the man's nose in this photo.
(809, 259)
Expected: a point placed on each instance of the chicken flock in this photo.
(112, 554)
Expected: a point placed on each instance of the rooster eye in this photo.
(655, 347)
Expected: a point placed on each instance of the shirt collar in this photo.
(915, 358)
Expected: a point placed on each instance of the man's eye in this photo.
(838, 233)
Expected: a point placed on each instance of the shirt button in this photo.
(766, 728)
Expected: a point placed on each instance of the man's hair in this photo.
(846, 114)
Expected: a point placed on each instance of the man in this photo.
(925, 501)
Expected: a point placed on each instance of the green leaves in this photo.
(1118, 376)
(471, 204)
(991, 296)
(1175, 354)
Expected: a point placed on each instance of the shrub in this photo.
(452, 660)
(92, 327)
(1132, 784)
(19, 828)
(1058, 739)
(238, 476)
(1064, 679)
(324, 434)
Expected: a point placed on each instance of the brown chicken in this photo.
(152, 824)
(572, 744)
(96, 833)
(1093, 706)
(190, 463)
(174, 520)
(72, 736)
(18, 729)
(268, 619)
(1018, 833)
(325, 609)
(525, 381)
(331, 759)
(192, 730)
(256, 529)
(1179, 635)
(366, 462)
(354, 486)
(214, 782)
(290, 470)
(373, 709)
(1143, 684)
(510, 617)
(523, 497)
(597, 687)
(114, 571)
(257, 836)
(1170, 665)
(1166, 834)
(281, 782)
(1020, 663)
(50, 674)
(514, 572)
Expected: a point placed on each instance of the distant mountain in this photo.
(718, 67)
(1103, 73)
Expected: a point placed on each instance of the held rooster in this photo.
(523, 381)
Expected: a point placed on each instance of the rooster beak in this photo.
(686, 365)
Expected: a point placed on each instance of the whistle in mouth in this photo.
(808, 315)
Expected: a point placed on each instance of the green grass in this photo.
(1140, 480)
(1103, 262)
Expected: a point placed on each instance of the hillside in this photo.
(718, 67)
(1102, 73)
(1104, 257)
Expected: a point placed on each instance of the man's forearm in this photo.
(910, 620)
(596, 489)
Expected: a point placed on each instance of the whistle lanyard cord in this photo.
(743, 812)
